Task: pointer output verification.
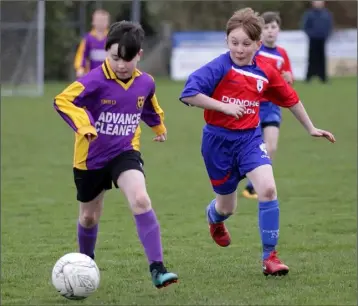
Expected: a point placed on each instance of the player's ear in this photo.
(259, 43)
(140, 53)
(226, 40)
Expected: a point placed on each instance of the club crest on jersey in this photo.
(140, 102)
(279, 64)
(260, 85)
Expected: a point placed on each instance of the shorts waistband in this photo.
(224, 131)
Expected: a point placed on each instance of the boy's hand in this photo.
(322, 133)
(160, 138)
(231, 109)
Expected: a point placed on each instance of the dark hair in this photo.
(271, 17)
(128, 35)
(248, 20)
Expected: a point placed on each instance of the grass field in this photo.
(317, 190)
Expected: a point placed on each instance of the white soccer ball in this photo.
(75, 276)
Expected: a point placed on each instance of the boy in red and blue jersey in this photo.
(105, 108)
(230, 89)
(270, 114)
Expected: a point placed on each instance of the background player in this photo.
(104, 108)
(229, 88)
(91, 51)
(270, 114)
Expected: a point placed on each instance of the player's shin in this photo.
(214, 216)
(87, 237)
(148, 230)
(269, 214)
(149, 234)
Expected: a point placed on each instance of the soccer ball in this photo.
(75, 276)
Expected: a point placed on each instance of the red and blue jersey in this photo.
(247, 85)
(276, 56)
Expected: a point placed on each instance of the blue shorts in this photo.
(270, 114)
(229, 155)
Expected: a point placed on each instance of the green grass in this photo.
(317, 190)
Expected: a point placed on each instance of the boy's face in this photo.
(242, 48)
(270, 33)
(123, 69)
(100, 21)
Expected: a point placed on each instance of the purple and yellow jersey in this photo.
(101, 104)
(90, 53)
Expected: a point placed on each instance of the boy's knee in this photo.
(141, 202)
(88, 220)
(269, 193)
(90, 212)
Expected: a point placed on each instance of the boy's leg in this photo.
(257, 167)
(271, 130)
(219, 162)
(270, 117)
(87, 227)
(91, 186)
(271, 134)
(219, 210)
(129, 177)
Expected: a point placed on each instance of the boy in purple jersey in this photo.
(105, 108)
(91, 52)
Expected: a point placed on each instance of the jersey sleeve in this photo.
(82, 55)
(152, 113)
(287, 63)
(279, 91)
(69, 104)
(204, 80)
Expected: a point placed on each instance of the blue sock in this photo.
(213, 215)
(269, 215)
(249, 185)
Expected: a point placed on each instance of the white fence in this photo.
(194, 49)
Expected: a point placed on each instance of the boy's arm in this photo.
(287, 64)
(200, 86)
(68, 105)
(152, 113)
(299, 111)
(287, 68)
(284, 95)
(279, 91)
(81, 57)
(201, 83)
